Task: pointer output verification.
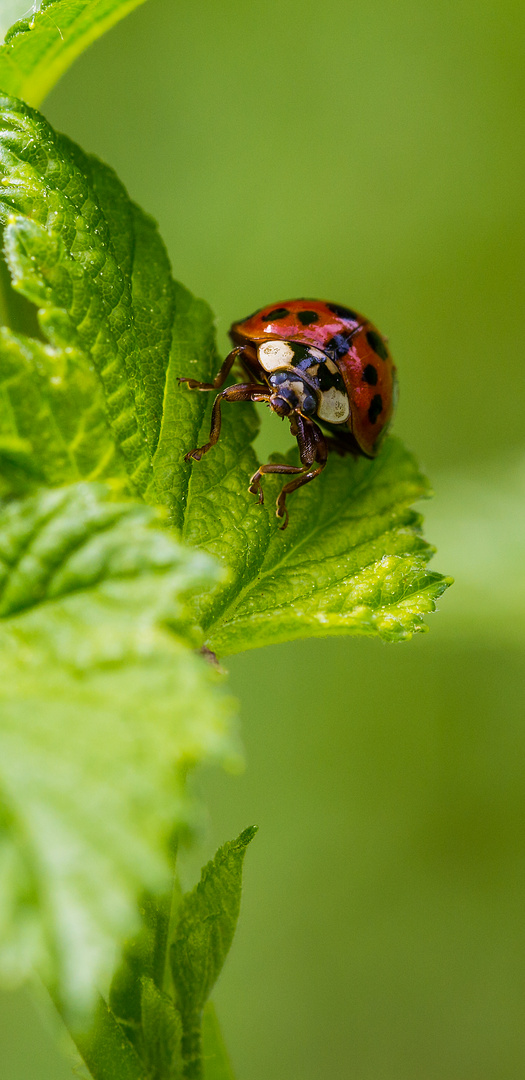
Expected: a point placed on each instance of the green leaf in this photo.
(144, 956)
(100, 398)
(161, 1034)
(215, 1060)
(207, 918)
(39, 49)
(186, 415)
(51, 403)
(138, 1006)
(155, 1019)
(106, 1050)
(205, 928)
(103, 707)
(352, 560)
(19, 471)
(93, 264)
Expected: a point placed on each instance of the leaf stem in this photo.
(192, 1047)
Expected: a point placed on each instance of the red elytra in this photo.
(323, 366)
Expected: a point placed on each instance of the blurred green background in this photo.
(371, 153)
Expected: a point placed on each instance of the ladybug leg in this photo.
(251, 377)
(313, 451)
(282, 510)
(221, 375)
(255, 483)
(237, 392)
(250, 364)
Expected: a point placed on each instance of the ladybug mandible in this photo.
(324, 367)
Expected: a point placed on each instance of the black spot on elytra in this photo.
(377, 344)
(338, 345)
(307, 317)
(370, 374)
(376, 407)
(277, 313)
(343, 312)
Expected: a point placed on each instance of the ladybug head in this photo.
(306, 378)
(291, 393)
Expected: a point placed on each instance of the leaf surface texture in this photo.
(103, 706)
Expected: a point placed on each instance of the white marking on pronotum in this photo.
(275, 354)
(316, 354)
(334, 406)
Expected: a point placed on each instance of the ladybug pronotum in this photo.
(324, 367)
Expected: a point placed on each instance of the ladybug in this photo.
(322, 366)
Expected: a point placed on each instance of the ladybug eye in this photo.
(309, 404)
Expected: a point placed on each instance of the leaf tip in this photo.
(247, 836)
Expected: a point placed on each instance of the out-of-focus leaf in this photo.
(206, 924)
(161, 1034)
(40, 48)
(107, 1051)
(207, 918)
(103, 706)
(161, 1018)
(215, 1060)
(19, 471)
